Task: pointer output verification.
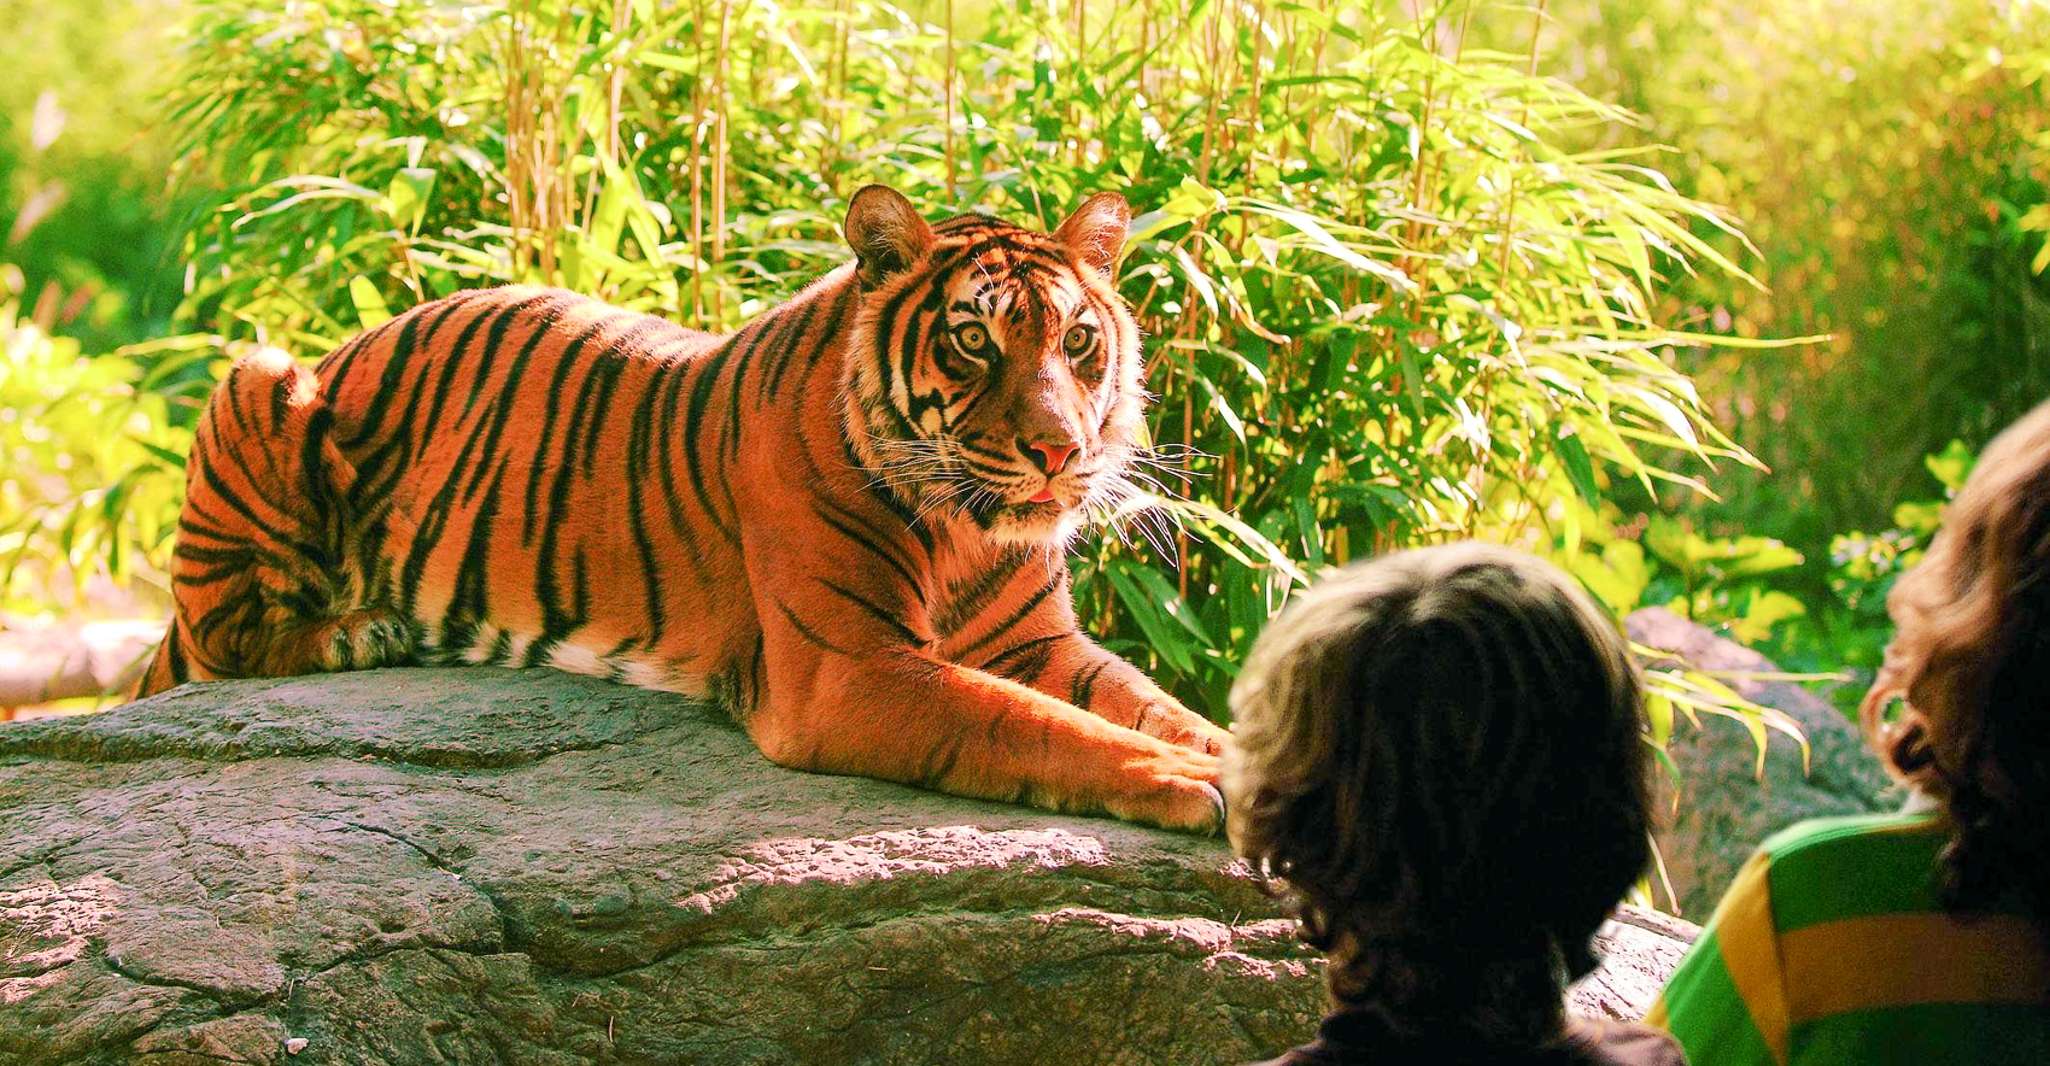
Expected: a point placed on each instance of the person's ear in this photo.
(1096, 232)
(886, 234)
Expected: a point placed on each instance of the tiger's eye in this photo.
(971, 338)
(1078, 339)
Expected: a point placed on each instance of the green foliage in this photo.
(1725, 579)
(1850, 631)
(1741, 585)
(94, 467)
(1660, 562)
(1387, 307)
(1725, 582)
(82, 211)
(1892, 162)
(372, 155)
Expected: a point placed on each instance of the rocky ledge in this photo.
(426, 866)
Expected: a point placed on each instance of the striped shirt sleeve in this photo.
(1726, 1004)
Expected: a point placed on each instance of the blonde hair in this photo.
(1971, 658)
(1439, 755)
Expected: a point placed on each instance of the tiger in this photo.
(845, 522)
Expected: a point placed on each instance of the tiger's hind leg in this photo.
(360, 640)
(264, 579)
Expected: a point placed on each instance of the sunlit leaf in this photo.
(370, 308)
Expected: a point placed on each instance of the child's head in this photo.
(1971, 656)
(1440, 753)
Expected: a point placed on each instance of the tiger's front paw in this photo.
(1181, 727)
(1174, 790)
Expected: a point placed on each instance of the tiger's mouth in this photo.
(1027, 522)
(1049, 498)
(999, 503)
(1021, 508)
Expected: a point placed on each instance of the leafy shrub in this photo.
(94, 468)
(83, 214)
(1892, 163)
(1662, 561)
(1849, 633)
(1387, 307)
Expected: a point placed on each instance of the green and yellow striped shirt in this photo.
(1831, 947)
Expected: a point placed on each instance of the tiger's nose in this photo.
(1050, 457)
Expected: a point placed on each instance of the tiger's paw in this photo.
(1174, 790)
(367, 639)
(1181, 727)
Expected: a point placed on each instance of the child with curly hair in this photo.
(1438, 756)
(1917, 937)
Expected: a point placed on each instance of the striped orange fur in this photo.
(846, 521)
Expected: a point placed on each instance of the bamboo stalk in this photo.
(953, 194)
(1181, 540)
(836, 91)
(1537, 26)
(1427, 175)
(615, 87)
(1081, 143)
(1484, 388)
(1146, 32)
(719, 157)
(697, 163)
(1210, 52)
(519, 215)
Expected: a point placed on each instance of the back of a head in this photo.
(1971, 655)
(1439, 752)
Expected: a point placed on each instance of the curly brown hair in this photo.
(1971, 659)
(1438, 756)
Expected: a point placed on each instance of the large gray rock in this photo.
(1726, 808)
(427, 866)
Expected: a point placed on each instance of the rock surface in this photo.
(427, 866)
(43, 663)
(1725, 808)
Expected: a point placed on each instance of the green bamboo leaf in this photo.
(406, 198)
(1579, 468)
(1144, 610)
(1221, 403)
(1658, 712)
(370, 308)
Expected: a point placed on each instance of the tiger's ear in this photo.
(1096, 231)
(885, 232)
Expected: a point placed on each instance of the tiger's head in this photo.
(995, 373)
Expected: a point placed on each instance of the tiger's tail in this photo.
(169, 666)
